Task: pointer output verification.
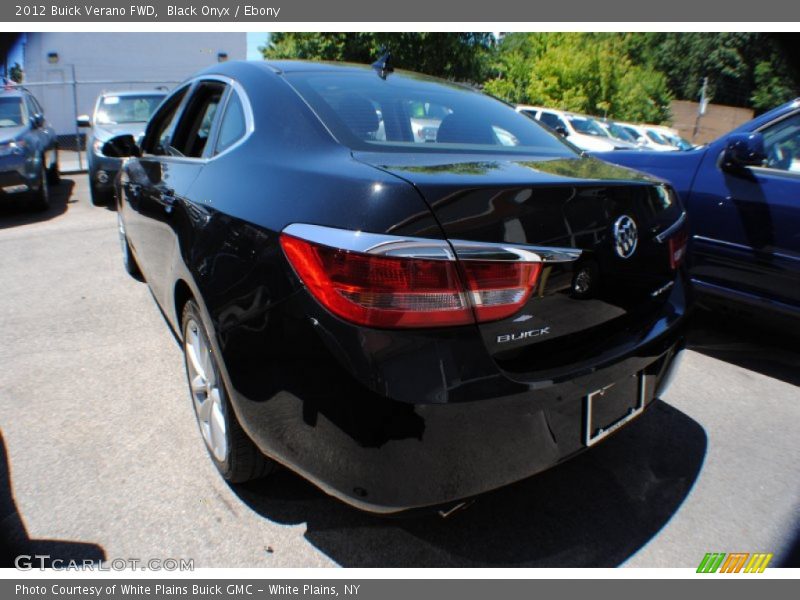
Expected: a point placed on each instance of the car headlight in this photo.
(16, 147)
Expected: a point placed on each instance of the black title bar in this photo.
(449, 11)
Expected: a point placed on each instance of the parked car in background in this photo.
(618, 132)
(742, 193)
(672, 137)
(403, 321)
(581, 130)
(115, 113)
(28, 148)
(648, 138)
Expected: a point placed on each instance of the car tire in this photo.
(100, 197)
(41, 196)
(128, 261)
(234, 454)
(53, 172)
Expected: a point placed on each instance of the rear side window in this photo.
(413, 113)
(233, 125)
(194, 127)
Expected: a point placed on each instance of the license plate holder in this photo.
(610, 407)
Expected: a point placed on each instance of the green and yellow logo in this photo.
(736, 562)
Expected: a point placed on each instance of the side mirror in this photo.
(37, 120)
(84, 121)
(562, 131)
(122, 146)
(744, 150)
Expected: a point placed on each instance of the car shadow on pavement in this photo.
(15, 211)
(14, 539)
(595, 510)
(763, 343)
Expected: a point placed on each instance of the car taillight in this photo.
(499, 289)
(677, 247)
(380, 290)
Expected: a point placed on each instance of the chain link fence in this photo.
(64, 100)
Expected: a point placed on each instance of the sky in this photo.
(254, 40)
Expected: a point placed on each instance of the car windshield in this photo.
(11, 112)
(678, 141)
(414, 113)
(656, 137)
(587, 126)
(113, 110)
(635, 134)
(620, 133)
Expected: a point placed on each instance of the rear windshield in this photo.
(115, 110)
(406, 113)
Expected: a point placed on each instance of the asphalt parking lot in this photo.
(100, 456)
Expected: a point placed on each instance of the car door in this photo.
(746, 221)
(175, 149)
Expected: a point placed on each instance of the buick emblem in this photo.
(626, 236)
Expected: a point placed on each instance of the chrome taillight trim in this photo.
(422, 248)
(513, 252)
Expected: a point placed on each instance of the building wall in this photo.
(122, 61)
(717, 120)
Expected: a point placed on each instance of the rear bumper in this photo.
(315, 413)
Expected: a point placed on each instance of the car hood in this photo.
(591, 142)
(107, 131)
(10, 133)
(676, 167)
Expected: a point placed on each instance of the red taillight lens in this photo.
(677, 248)
(394, 292)
(378, 291)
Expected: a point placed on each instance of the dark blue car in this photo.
(742, 193)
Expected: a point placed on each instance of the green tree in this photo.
(461, 56)
(583, 72)
(15, 73)
(773, 86)
(743, 69)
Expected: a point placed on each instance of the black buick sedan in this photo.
(398, 287)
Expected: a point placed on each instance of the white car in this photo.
(648, 137)
(616, 131)
(581, 130)
(673, 137)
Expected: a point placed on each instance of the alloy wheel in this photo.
(207, 390)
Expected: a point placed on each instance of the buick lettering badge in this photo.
(626, 236)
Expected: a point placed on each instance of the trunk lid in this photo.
(602, 303)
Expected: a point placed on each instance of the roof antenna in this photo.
(383, 66)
